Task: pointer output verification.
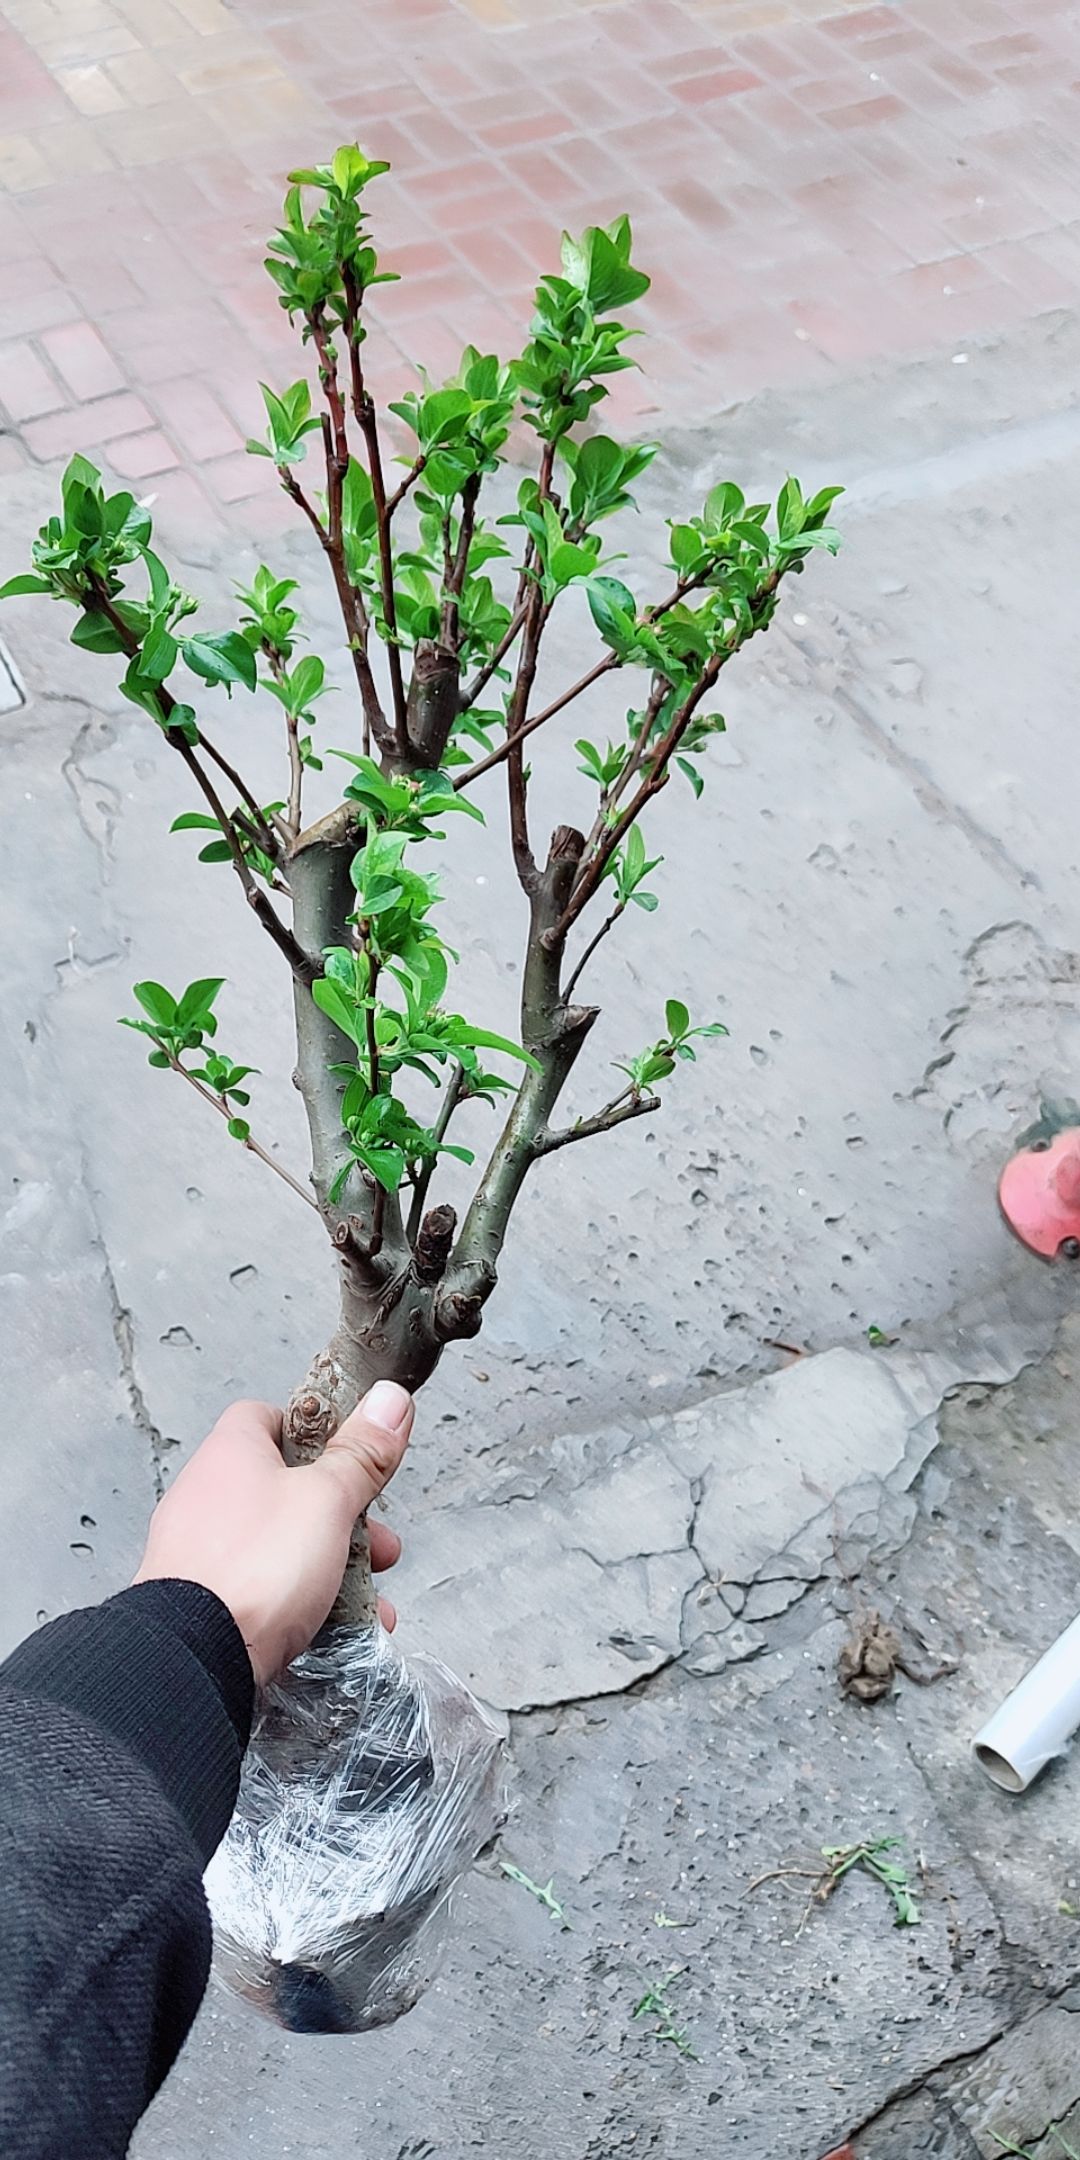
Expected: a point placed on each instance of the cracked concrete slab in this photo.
(751, 1490)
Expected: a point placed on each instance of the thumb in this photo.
(367, 1449)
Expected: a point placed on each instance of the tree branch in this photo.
(268, 837)
(598, 854)
(655, 778)
(603, 667)
(554, 1033)
(481, 680)
(451, 1098)
(615, 1113)
(364, 409)
(496, 757)
(296, 764)
(399, 494)
(590, 948)
(253, 1146)
(258, 900)
(354, 615)
(455, 579)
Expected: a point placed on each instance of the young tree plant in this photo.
(444, 613)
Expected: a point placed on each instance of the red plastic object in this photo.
(1039, 1192)
(840, 2152)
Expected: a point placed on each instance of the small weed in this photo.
(544, 1893)
(877, 1338)
(839, 1861)
(657, 2004)
(1024, 2152)
(663, 1919)
(892, 1874)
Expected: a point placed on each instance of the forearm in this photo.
(121, 1734)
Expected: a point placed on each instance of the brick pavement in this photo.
(812, 186)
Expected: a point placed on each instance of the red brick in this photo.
(772, 56)
(415, 258)
(85, 363)
(26, 386)
(958, 73)
(700, 204)
(87, 427)
(1000, 51)
(193, 416)
(238, 477)
(542, 172)
(871, 112)
(725, 82)
(100, 283)
(861, 23)
(495, 258)
(135, 457)
(529, 127)
(452, 213)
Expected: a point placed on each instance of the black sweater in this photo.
(121, 1734)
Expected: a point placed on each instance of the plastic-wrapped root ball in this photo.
(369, 1787)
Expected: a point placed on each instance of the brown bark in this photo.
(380, 1336)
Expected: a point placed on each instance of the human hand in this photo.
(272, 1542)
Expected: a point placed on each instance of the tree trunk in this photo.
(383, 1333)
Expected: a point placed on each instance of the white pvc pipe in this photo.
(1037, 1721)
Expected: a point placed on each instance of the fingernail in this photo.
(387, 1404)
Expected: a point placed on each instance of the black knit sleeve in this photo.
(121, 1734)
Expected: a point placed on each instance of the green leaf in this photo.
(194, 821)
(198, 999)
(331, 1000)
(95, 633)
(226, 659)
(182, 717)
(239, 1128)
(723, 503)
(26, 582)
(306, 681)
(157, 1001)
(482, 1039)
(790, 510)
(386, 1164)
(686, 547)
(692, 774)
(676, 1019)
(158, 657)
(822, 501)
(613, 610)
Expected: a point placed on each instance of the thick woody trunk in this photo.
(368, 1344)
(386, 1327)
(400, 1306)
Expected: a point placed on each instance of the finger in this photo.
(385, 1545)
(388, 1614)
(366, 1450)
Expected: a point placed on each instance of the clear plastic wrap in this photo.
(369, 1787)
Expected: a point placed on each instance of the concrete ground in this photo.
(634, 1518)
